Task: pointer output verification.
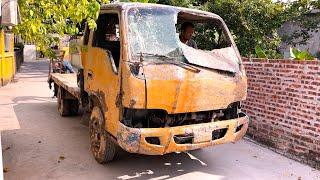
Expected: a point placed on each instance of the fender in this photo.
(97, 98)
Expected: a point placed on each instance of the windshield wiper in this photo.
(170, 60)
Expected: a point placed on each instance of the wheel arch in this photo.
(96, 99)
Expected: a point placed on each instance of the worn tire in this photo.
(63, 104)
(102, 146)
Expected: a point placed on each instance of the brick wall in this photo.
(283, 104)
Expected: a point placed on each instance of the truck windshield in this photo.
(154, 35)
(153, 31)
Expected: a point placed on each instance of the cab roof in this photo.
(126, 6)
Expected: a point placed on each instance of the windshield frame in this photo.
(192, 12)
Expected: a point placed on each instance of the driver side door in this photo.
(102, 67)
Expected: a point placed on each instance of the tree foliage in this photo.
(296, 54)
(41, 19)
(308, 22)
(254, 23)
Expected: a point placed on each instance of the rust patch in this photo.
(174, 106)
(132, 103)
(129, 138)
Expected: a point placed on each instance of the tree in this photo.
(254, 23)
(43, 18)
(308, 22)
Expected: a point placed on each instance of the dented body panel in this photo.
(177, 90)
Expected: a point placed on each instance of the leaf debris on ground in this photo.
(62, 157)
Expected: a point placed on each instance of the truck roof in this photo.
(125, 6)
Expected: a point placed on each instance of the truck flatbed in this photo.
(67, 82)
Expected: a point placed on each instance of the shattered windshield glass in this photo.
(153, 31)
(153, 36)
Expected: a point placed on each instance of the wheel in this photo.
(63, 104)
(67, 107)
(102, 146)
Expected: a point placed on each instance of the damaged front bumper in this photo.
(134, 140)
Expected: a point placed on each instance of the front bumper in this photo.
(134, 139)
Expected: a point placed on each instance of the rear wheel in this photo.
(63, 104)
(102, 146)
(74, 107)
(67, 107)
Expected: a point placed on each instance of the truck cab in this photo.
(149, 93)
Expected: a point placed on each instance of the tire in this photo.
(63, 104)
(101, 144)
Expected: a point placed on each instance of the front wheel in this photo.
(102, 146)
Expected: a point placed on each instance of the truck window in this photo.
(107, 36)
(209, 33)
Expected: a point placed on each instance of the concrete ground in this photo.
(52, 147)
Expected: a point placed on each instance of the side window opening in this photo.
(107, 36)
(210, 36)
(207, 34)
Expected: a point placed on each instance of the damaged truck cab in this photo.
(151, 94)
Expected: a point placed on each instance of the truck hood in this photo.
(179, 90)
(224, 59)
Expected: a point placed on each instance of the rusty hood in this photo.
(179, 90)
(224, 59)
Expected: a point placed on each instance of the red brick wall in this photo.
(283, 104)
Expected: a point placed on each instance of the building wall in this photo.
(283, 104)
(7, 62)
(312, 45)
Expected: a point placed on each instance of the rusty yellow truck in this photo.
(148, 92)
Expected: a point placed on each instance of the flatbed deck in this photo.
(68, 82)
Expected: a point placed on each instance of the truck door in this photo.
(102, 67)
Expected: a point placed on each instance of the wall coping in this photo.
(264, 60)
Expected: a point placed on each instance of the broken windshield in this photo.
(153, 32)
